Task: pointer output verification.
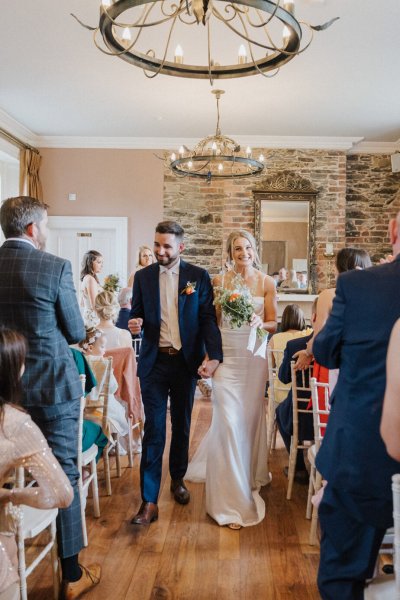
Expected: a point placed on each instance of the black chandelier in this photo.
(268, 32)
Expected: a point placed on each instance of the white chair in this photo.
(136, 343)
(32, 522)
(274, 358)
(387, 587)
(102, 369)
(321, 409)
(299, 407)
(87, 459)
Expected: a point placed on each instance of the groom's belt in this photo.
(168, 350)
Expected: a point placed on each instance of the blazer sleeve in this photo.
(208, 320)
(67, 309)
(327, 344)
(137, 309)
(285, 373)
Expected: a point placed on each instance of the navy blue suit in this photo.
(162, 375)
(357, 503)
(284, 412)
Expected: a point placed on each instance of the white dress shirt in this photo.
(169, 329)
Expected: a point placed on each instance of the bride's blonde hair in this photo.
(233, 236)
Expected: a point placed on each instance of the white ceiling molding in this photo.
(17, 129)
(151, 143)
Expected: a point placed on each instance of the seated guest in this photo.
(124, 300)
(22, 444)
(302, 279)
(91, 432)
(94, 347)
(275, 277)
(290, 281)
(284, 412)
(107, 309)
(293, 325)
(390, 424)
(282, 276)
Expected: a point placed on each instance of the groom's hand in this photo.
(135, 325)
(207, 368)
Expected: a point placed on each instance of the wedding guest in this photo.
(283, 274)
(124, 301)
(290, 281)
(173, 301)
(145, 257)
(293, 325)
(390, 424)
(232, 459)
(94, 347)
(22, 445)
(275, 277)
(107, 309)
(92, 264)
(284, 412)
(38, 299)
(302, 280)
(356, 507)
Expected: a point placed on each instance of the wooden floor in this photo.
(185, 555)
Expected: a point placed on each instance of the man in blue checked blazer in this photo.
(37, 298)
(357, 508)
(173, 301)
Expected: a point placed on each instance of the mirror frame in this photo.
(282, 188)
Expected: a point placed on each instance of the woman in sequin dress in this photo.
(21, 444)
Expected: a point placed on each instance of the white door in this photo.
(71, 237)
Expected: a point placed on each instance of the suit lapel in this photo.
(183, 279)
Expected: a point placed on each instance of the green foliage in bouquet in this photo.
(111, 283)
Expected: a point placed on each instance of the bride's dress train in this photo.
(232, 458)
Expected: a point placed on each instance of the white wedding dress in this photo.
(232, 458)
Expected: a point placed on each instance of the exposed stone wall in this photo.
(209, 212)
(373, 197)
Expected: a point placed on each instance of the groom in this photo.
(173, 301)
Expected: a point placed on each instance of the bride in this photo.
(232, 457)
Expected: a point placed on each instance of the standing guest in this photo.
(106, 307)
(173, 301)
(356, 508)
(390, 424)
(145, 258)
(22, 445)
(37, 298)
(124, 301)
(283, 274)
(92, 264)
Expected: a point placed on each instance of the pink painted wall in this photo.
(107, 182)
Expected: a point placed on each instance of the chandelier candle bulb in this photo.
(126, 34)
(220, 167)
(248, 151)
(181, 151)
(106, 3)
(242, 56)
(190, 164)
(214, 148)
(173, 157)
(289, 6)
(261, 158)
(178, 55)
(286, 34)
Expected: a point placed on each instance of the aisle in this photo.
(185, 556)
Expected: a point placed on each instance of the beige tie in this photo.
(173, 322)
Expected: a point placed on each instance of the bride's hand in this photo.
(256, 321)
(207, 368)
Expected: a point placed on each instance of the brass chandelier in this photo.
(259, 36)
(216, 156)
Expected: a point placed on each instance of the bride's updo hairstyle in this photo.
(12, 359)
(106, 305)
(233, 236)
(87, 264)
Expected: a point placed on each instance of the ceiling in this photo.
(54, 82)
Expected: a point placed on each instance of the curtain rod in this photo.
(16, 141)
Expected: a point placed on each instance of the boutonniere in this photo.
(190, 288)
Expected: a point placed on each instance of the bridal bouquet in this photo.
(111, 283)
(237, 304)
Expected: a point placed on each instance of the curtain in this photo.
(29, 181)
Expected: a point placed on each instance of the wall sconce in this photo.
(329, 253)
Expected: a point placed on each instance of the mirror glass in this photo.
(284, 230)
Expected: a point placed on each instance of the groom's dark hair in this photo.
(171, 227)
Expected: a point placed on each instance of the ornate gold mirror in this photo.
(285, 207)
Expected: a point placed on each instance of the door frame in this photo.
(119, 224)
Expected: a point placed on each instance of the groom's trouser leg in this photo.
(154, 388)
(183, 386)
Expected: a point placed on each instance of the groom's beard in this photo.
(165, 261)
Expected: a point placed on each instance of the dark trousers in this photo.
(169, 376)
(349, 550)
(59, 425)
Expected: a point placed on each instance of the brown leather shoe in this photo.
(180, 491)
(75, 589)
(148, 512)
